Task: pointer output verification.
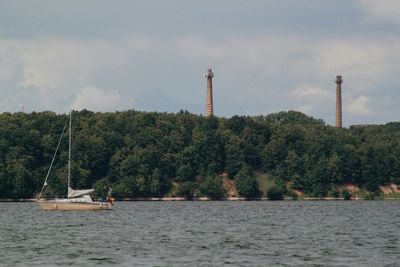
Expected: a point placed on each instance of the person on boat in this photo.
(110, 200)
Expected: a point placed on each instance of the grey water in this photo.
(254, 233)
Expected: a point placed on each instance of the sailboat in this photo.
(76, 199)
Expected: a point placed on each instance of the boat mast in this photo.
(54, 157)
(69, 150)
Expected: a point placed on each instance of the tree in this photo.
(185, 173)
(186, 190)
(246, 183)
(142, 153)
(234, 155)
(155, 183)
(236, 124)
(102, 187)
(213, 188)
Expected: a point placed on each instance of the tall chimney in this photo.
(339, 101)
(209, 77)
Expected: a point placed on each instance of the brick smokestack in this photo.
(209, 77)
(338, 101)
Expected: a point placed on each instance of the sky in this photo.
(267, 56)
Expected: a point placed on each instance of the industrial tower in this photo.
(209, 77)
(338, 101)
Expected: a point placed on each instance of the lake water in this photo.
(254, 233)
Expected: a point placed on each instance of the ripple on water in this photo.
(204, 234)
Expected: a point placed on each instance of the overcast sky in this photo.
(267, 56)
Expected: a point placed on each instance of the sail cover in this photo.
(77, 193)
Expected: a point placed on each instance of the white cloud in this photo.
(310, 100)
(95, 99)
(298, 59)
(49, 72)
(381, 10)
(261, 73)
(253, 76)
(364, 64)
(360, 106)
(310, 91)
(269, 55)
(349, 54)
(9, 63)
(55, 63)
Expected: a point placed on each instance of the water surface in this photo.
(256, 233)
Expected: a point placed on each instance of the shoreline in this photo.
(207, 199)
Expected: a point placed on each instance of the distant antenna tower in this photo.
(22, 107)
(338, 101)
(210, 107)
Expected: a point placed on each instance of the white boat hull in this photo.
(63, 205)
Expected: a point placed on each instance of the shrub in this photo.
(186, 190)
(334, 192)
(275, 193)
(319, 191)
(246, 183)
(372, 196)
(213, 188)
(346, 194)
(101, 188)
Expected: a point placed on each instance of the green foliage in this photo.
(346, 195)
(246, 183)
(372, 196)
(140, 154)
(292, 117)
(213, 187)
(275, 193)
(334, 192)
(186, 190)
(234, 157)
(101, 188)
(265, 181)
(185, 173)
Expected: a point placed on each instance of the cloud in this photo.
(355, 58)
(96, 99)
(55, 63)
(311, 100)
(262, 54)
(253, 75)
(48, 72)
(9, 63)
(360, 106)
(349, 53)
(310, 91)
(383, 11)
(258, 75)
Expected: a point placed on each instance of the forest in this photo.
(149, 154)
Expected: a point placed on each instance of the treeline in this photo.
(141, 154)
